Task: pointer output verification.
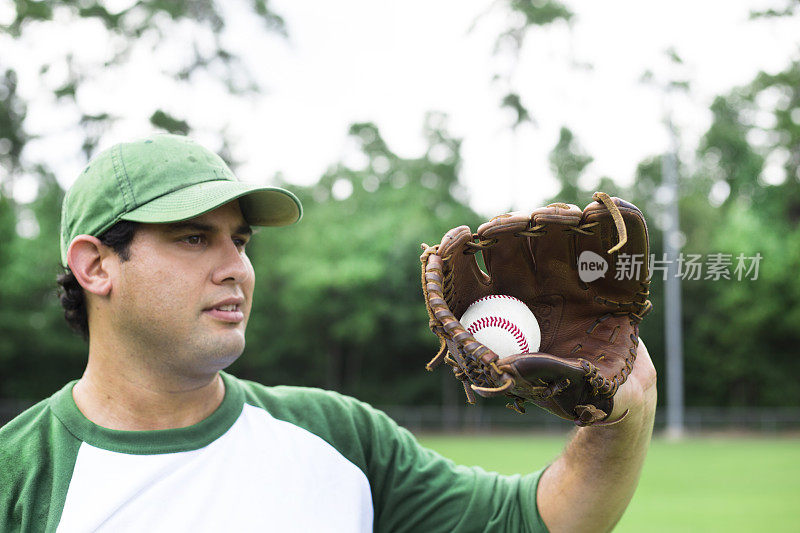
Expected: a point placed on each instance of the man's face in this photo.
(184, 296)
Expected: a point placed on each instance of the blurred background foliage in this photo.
(338, 302)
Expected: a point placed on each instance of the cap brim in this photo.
(261, 206)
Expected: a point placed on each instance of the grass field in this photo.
(701, 484)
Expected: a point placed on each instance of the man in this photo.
(155, 437)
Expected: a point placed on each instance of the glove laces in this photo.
(616, 216)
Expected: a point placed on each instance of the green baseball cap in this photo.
(164, 178)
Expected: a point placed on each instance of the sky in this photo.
(391, 63)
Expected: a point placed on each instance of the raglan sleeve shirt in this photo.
(268, 459)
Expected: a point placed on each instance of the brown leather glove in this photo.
(589, 330)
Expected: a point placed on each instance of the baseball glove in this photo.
(589, 329)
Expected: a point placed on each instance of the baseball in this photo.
(503, 324)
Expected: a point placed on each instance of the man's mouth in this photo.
(226, 312)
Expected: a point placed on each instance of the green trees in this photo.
(338, 302)
(746, 332)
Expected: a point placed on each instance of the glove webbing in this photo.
(473, 364)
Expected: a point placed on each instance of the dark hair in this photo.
(118, 237)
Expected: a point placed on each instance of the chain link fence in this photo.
(485, 419)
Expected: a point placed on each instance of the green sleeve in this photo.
(37, 457)
(413, 488)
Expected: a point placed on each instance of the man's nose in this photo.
(233, 265)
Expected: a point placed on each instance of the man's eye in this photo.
(240, 243)
(194, 240)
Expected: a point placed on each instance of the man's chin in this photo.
(221, 353)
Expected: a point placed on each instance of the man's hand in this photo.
(590, 485)
(634, 394)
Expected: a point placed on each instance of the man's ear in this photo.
(86, 257)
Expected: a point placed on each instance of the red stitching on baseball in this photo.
(491, 296)
(502, 323)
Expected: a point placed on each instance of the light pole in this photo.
(672, 289)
